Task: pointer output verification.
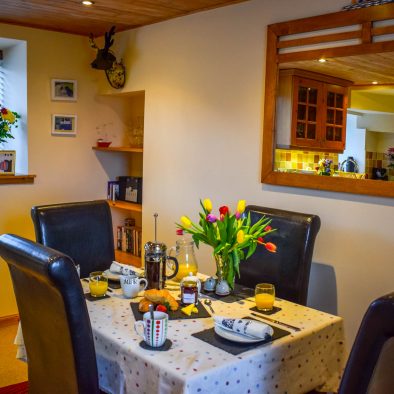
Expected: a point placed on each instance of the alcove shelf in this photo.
(128, 206)
(130, 106)
(119, 149)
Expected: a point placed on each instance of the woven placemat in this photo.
(173, 315)
(236, 348)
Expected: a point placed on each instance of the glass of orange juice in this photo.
(264, 296)
(98, 283)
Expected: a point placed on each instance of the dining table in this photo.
(306, 352)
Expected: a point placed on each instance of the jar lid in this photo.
(191, 278)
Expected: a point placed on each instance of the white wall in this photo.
(204, 81)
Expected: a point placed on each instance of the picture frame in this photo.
(64, 89)
(64, 124)
(7, 162)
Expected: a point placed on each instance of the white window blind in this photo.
(1, 78)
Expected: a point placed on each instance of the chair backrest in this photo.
(54, 317)
(289, 268)
(370, 364)
(81, 230)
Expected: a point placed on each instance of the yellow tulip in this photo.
(240, 236)
(241, 206)
(9, 116)
(207, 205)
(186, 222)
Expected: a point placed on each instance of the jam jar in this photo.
(190, 288)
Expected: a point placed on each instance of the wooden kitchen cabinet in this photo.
(317, 104)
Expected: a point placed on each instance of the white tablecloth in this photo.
(308, 359)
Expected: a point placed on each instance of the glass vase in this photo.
(222, 287)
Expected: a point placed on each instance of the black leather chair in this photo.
(289, 268)
(81, 230)
(55, 321)
(370, 364)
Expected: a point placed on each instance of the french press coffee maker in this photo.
(156, 262)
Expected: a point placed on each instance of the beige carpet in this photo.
(11, 370)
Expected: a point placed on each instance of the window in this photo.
(13, 95)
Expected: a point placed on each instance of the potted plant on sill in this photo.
(8, 120)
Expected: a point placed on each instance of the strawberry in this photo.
(161, 308)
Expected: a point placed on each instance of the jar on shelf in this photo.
(184, 253)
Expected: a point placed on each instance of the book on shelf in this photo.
(128, 238)
(113, 190)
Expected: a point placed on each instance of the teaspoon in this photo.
(209, 304)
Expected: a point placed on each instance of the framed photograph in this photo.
(64, 124)
(7, 162)
(64, 89)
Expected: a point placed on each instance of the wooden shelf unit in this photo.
(119, 149)
(128, 206)
(132, 106)
(127, 258)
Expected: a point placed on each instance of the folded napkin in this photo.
(122, 269)
(248, 327)
(19, 342)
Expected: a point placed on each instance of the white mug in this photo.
(155, 331)
(131, 285)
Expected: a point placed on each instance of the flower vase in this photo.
(222, 287)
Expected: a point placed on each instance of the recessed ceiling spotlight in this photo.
(322, 60)
(374, 82)
(87, 2)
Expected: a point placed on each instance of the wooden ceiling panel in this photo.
(361, 69)
(71, 16)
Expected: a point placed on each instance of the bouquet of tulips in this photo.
(231, 235)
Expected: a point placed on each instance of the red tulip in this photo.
(260, 240)
(270, 247)
(224, 210)
(268, 228)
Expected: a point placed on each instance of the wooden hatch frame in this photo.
(363, 19)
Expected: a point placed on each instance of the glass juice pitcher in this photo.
(184, 253)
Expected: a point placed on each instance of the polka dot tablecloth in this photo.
(311, 358)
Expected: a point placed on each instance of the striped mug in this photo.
(154, 331)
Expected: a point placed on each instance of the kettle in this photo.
(349, 165)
